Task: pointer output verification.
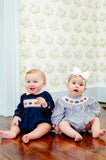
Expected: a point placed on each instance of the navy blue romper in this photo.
(32, 113)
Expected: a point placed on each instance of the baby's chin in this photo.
(75, 94)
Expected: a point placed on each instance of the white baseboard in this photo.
(102, 94)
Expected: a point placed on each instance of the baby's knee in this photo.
(47, 126)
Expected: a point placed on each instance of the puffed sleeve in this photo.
(58, 112)
(94, 106)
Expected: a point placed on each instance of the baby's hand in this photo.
(15, 121)
(42, 102)
(56, 128)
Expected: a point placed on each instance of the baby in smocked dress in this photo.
(75, 113)
(33, 114)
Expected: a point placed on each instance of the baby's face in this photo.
(76, 86)
(34, 82)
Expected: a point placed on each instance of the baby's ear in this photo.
(85, 88)
(67, 85)
(44, 83)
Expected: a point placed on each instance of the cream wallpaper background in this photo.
(56, 35)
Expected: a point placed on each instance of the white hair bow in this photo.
(77, 72)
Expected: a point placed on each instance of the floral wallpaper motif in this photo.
(56, 35)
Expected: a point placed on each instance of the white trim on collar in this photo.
(41, 91)
(75, 101)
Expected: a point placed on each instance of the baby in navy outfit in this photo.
(33, 114)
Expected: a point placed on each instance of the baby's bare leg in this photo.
(96, 131)
(41, 130)
(66, 128)
(12, 133)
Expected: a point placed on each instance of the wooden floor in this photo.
(53, 146)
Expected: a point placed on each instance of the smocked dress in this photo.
(78, 111)
(32, 113)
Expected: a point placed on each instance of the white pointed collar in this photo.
(41, 91)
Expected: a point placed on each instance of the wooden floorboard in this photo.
(53, 146)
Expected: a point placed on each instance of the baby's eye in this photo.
(28, 81)
(81, 84)
(35, 81)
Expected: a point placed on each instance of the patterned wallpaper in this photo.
(56, 35)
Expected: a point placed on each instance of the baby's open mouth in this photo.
(32, 89)
(75, 90)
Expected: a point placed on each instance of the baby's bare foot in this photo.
(99, 133)
(25, 139)
(7, 134)
(78, 137)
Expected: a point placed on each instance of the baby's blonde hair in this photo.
(37, 71)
